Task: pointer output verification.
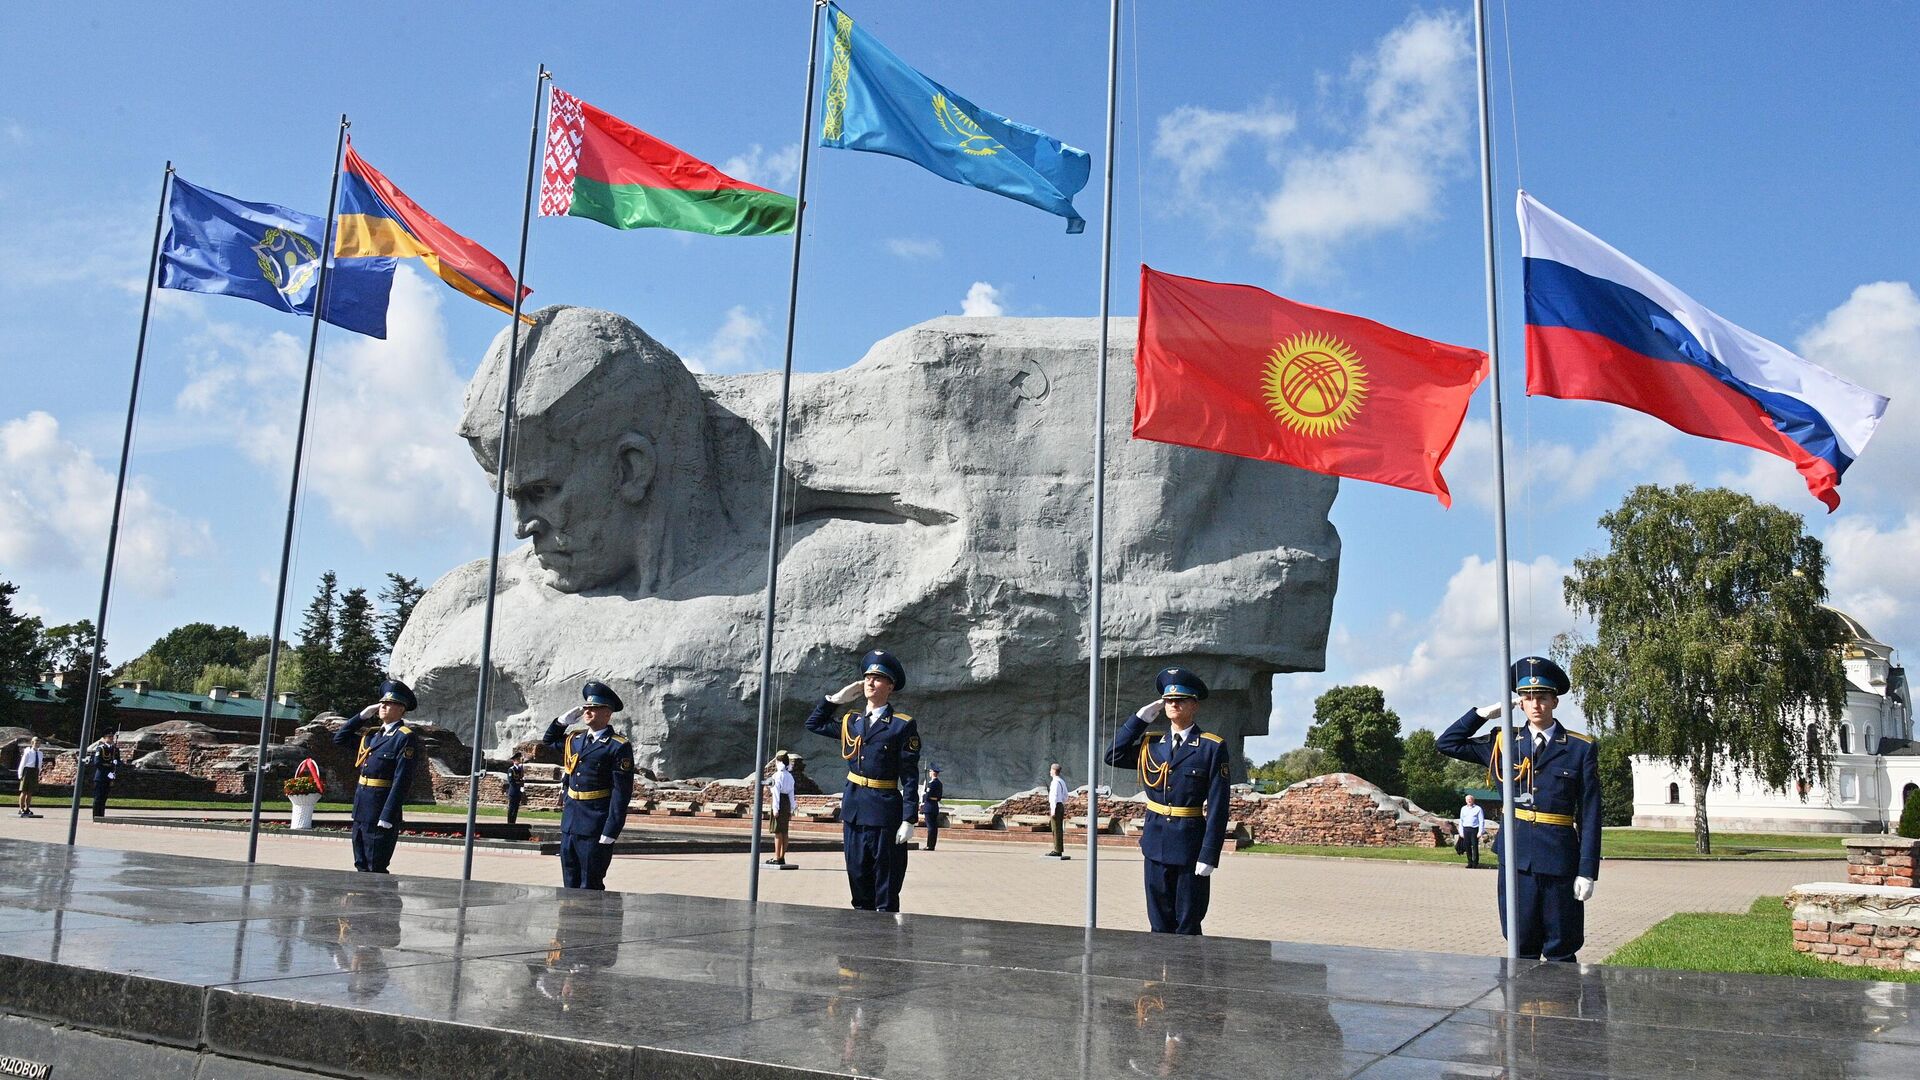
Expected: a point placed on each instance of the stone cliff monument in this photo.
(940, 495)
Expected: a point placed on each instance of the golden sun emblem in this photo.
(973, 140)
(1315, 383)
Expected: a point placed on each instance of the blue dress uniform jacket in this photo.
(1189, 793)
(930, 810)
(597, 783)
(1555, 839)
(882, 791)
(383, 768)
(105, 760)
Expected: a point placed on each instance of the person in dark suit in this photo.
(105, 760)
(596, 783)
(930, 805)
(882, 750)
(383, 767)
(516, 786)
(1554, 852)
(1187, 776)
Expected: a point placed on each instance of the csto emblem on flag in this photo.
(287, 260)
(1315, 383)
(972, 140)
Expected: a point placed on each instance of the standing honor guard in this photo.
(1187, 775)
(596, 783)
(882, 751)
(930, 805)
(1555, 849)
(385, 764)
(516, 786)
(105, 759)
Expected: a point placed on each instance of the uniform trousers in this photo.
(102, 788)
(1176, 897)
(1552, 925)
(933, 827)
(513, 805)
(373, 847)
(584, 861)
(876, 867)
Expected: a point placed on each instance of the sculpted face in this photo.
(579, 497)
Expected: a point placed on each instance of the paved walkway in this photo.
(1438, 907)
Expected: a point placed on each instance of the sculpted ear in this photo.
(636, 461)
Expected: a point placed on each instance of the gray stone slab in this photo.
(71, 1053)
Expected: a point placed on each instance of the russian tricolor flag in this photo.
(1601, 327)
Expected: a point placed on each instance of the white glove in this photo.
(113, 776)
(572, 716)
(1201, 869)
(370, 711)
(904, 833)
(849, 693)
(1151, 710)
(606, 839)
(386, 824)
(1583, 889)
(1488, 712)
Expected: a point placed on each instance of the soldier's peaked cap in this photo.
(599, 693)
(399, 693)
(1537, 674)
(1178, 682)
(881, 662)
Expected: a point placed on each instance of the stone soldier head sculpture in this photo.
(609, 457)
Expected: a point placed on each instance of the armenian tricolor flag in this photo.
(377, 218)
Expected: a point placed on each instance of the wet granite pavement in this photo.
(138, 964)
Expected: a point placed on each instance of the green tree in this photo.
(1910, 818)
(1435, 781)
(176, 660)
(358, 653)
(22, 656)
(231, 676)
(1297, 764)
(69, 649)
(286, 675)
(397, 601)
(1712, 650)
(1616, 779)
(1362, 736)
(317, 663)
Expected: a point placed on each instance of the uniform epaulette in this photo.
(1210, 735)
(1577, 735)
(619, 738)
(405, 730)
(901, 716)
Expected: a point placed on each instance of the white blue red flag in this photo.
(1601, 327)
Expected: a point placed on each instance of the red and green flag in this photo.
(601, 167)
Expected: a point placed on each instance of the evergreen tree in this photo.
(22, 656)
(1362, 736)
(397, 600)
(357, 653)
(1712, 650)
(316, 676)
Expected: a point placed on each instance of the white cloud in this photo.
(915, 247)
(1873, 339)
(982, 299)
(60, 504)
(382, 430)
(767, 169)
(739, 344)
(1633, 449)
(1874, 577)
(1416, 129)
(1196, 139)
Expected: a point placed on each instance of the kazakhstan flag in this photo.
(876, 102)
(268, 254)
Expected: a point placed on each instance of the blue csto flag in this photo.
(876, 102)
(269, 254)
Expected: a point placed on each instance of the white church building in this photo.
(1875, 764)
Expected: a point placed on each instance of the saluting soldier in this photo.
(516, 786)
(596, 784)
(105, 760)
(384, 766)
(1187, 775)
(1555, 847)
(882, 750)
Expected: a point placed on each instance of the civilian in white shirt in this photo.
(1057, 811)
(783, 802)
(31, 762)
(1472, 820)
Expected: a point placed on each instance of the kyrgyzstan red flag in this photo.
(1239, 370)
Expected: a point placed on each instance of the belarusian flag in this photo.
(601, 167)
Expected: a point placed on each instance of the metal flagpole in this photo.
(1100, 478)
(91, 707)
(293, 498)
(1508, 882)
(780, 467)
(500, 478)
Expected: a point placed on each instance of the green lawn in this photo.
(1757, 943)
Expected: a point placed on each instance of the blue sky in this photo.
(1759, 156)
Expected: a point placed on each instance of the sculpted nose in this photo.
(528, 525)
